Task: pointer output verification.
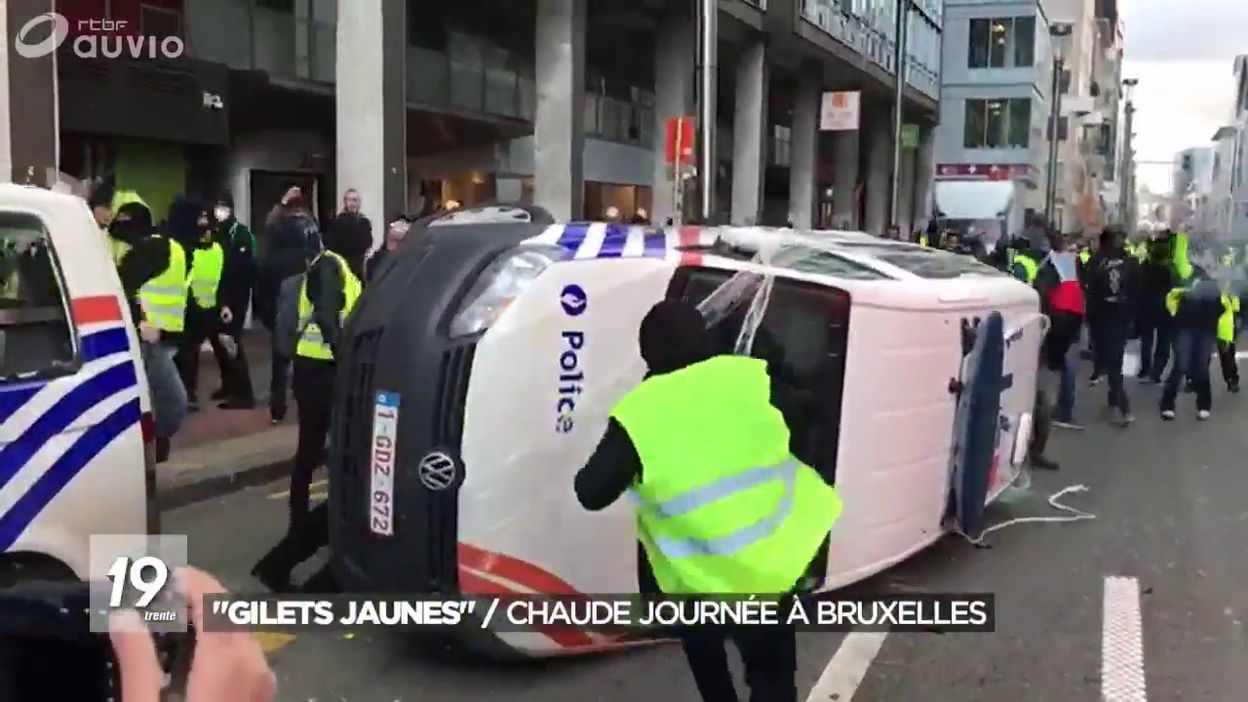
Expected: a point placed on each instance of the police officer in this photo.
(702, 430)
(326, 296)
(153, 271)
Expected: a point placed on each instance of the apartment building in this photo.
(560, 102)
(993, 142)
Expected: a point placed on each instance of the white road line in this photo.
(840, 680)
(1122, 646)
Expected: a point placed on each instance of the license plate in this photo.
(382, 459)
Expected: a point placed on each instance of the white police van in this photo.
(76, 446)
(479, 367)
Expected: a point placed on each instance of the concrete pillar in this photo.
(749, 132)
(559, 127)
(804, 137)
(924, 176)
(28, 118)
(845, 178)
(675, 45)
(371, 108)
(303, 39)
(879, 145)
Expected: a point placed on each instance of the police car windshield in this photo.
(810, 260)
(925, 263)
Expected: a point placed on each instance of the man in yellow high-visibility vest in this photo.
(702, 448)
(325, 298)
(153, 272)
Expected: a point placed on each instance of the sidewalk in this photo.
(217, 451)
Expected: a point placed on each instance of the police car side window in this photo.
(35, 334)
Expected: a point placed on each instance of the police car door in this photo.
(71, 447)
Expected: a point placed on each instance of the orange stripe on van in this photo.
(96, 309)
(520, 572)
(472, 584)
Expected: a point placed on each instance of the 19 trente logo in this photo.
(97, 38)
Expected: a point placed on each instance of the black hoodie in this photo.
(673, 336)
(286, 255)
(238, 276)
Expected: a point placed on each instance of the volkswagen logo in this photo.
(436, 470)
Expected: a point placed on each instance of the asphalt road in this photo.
(1171, 513)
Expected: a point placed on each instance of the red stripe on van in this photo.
(690, 236)
(94, 310)
(515, 570)
(472, 584)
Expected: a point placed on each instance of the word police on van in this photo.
(574, 302)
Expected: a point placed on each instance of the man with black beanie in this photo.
(1113, 282)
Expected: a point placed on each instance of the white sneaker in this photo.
(1168, 415)
(1202, 415)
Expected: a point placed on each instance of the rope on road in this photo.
(1077, 515)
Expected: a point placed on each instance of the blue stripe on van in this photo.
(63, 414)
(572, 237)
(94, 440)
(656, 244)
(613, 241)
(105, 343)
(13, 397)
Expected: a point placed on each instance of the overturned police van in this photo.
(481, 363)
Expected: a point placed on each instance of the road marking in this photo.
(272, 642)
(846, 670)
(315, 486)
(1122, 647)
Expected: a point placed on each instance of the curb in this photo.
(173, 497)
(205, 472)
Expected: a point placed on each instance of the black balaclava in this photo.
(132, 223)
(674, 336)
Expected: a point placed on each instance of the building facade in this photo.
(997, 103)
(563, 103)
(1229, 206)
(1192, 180)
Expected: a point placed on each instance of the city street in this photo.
(1170, 513)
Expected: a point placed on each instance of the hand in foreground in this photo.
(225, 666)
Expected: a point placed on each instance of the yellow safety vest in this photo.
(163, 298)
(722, 506)
(1226, 323)
(206, 267)
(1029, 266)
(923, 240)
(1085, 256)
(311, 341)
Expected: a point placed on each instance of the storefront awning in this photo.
(973, 199)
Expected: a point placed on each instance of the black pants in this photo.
(769, 655)
(313, 386)
(1114, 328)
(235, 371)
(279, 382)
(200, 324)
(300, 544)
(1226, 357)
(1155, 341)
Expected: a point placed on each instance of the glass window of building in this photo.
(997, 123)
(1001, 42)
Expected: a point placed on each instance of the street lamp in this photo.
(1057, 32)
(899, 92)
(1125, 183)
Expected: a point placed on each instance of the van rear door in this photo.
(71, 445)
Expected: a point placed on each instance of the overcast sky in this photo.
(1183, 53)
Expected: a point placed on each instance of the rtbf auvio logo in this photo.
(574, 300)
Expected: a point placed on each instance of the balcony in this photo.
(873, 38)
(490, 86)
